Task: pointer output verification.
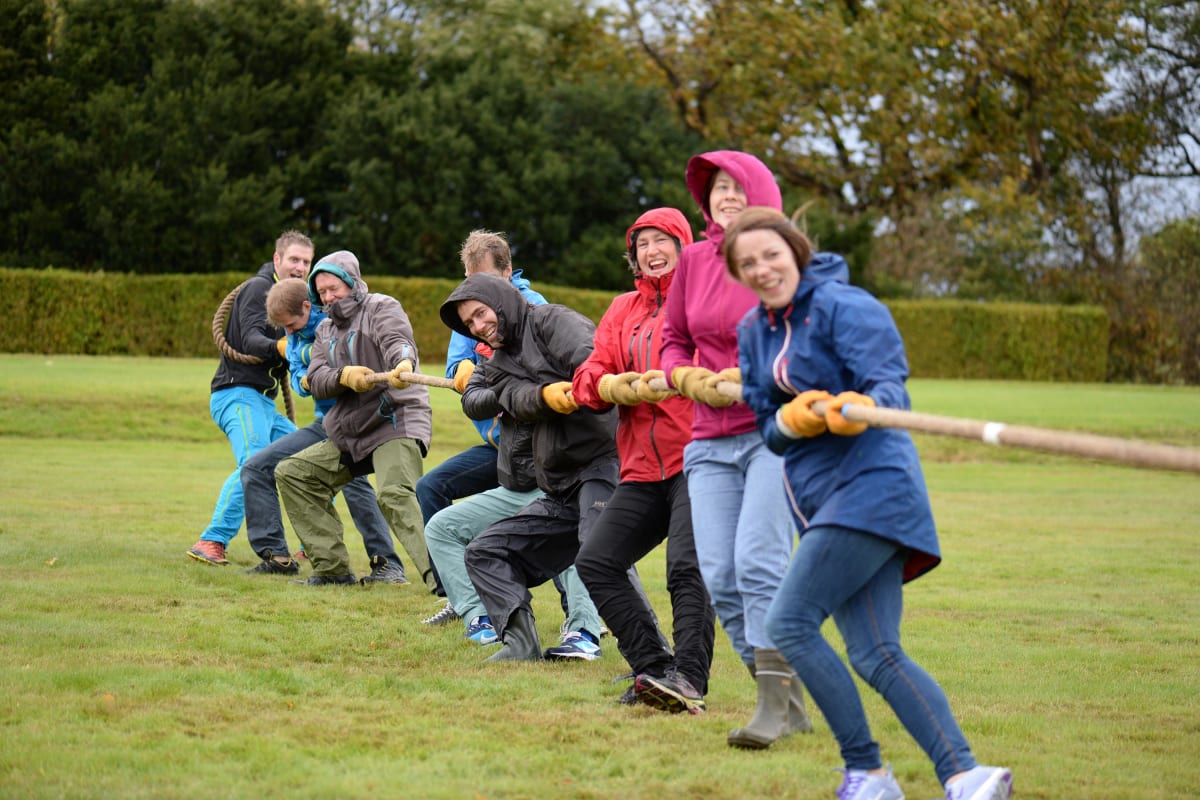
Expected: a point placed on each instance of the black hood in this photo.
(497, 294)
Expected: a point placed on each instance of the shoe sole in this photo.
(549, 656)
(203, 559)
(650, 692)
(746, 743)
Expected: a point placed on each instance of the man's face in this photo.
(294, 262)
(293, 323)
(330, 288)
(487, 266)
(481, 321)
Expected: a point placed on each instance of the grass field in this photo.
(1064, 624)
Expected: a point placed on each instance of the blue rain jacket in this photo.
(839, 338)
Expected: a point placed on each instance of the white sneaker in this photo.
(982, 783)
(858, 784)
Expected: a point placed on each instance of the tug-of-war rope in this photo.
(1130, 452)
(218, 332)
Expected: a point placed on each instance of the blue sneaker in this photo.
(858, 784)
(480, 631)
(982, 783)
(574, 645)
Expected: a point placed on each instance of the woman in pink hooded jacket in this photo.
(742, 526)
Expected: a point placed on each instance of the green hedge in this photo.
(60, 311)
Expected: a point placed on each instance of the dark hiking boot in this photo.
(384, 571)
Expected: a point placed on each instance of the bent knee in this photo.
(290, 470)
(793, 625)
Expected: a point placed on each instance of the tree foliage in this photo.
(182, 136)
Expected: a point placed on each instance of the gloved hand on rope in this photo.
(688, 380)
(708, 393)
(356, 378)
(839, 424)
(396, 376)
(619, 388)
(796, 419)
(558, 397)
(649, 395)
(281, 346)
(462, 374)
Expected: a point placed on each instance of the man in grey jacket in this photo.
(383, 428)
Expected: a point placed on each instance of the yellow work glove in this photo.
(796, 416)
(304, 384)
(619, 388)
(356, 378)
(462, 374)
(649, 395)
(557, 396)
(281, 346)
(396, 376)
(688, 380)
(708, 393)
(839, 424)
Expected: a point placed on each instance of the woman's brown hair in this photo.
(758, 218)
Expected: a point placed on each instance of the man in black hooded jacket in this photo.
(537, 349)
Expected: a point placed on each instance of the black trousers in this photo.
(636, 520)
(529, 548)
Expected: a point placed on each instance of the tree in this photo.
(505, 124)
(180, 135)
(904, 111)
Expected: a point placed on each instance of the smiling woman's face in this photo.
(657, 253)
(726, 199)
(767, 265)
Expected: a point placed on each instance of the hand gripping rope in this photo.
(218, 332)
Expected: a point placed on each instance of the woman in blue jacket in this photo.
(857, 493)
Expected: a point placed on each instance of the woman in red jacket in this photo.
(651, 503)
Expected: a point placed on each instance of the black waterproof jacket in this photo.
(514, 448)
(541, 345)
(249, 333)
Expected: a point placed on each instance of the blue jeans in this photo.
(251, 422)
(461, 475)
(264, 520)
(857, 579)
(743, 529)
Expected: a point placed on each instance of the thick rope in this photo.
(414, 377)
(218, 332)
(1086, 445)
(1102, 448)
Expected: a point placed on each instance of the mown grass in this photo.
(1063, 625)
